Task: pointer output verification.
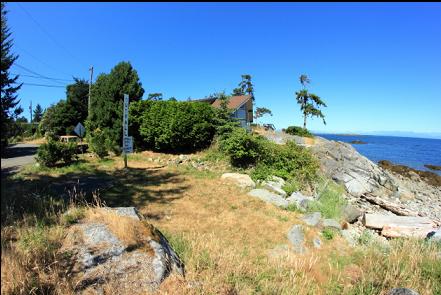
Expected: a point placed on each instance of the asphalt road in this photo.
(18, 155)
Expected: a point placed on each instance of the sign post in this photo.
(126, 141)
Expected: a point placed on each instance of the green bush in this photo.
(69, 152)
(242, 147)
(50, 153)
(328, 233)
(299, 131)
(97, 143)
(172, 126)
(290, 161)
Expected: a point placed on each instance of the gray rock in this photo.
(317, 242)
(95, 235)
(351, 213)
(402, 291)
(297, 238)
(275, 185)
(359, 175)
(312, 219)
(98, 255)
(128, 212)
(435, 236)
(269, 197)
(241, 180)
(351, 236)
(282, 138)
(331, 223)
(300, 200)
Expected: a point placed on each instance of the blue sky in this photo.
(377, 66)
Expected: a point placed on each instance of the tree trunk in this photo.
(304, 121)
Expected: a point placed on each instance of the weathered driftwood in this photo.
(400, 231)
(378, 221)
(399, 226)
(392, 207)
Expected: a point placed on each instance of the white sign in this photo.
(128, 144)
(126, 116)
(80, 130)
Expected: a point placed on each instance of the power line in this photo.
(48, 78)
(43, 85)
(41, 61)
(33, 72)
(47, 33)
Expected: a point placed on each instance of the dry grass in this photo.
(130, 231)
(224, 236)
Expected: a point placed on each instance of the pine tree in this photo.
(9, 85)
(310, 103)
(38, 113)
(106, 113)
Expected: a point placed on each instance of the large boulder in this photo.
(269, 197)
(351, 213)
(297, 238)
(275, 185)
(312, 219)
(402, 291)
(241, 180)
(300, 200)
(341, 162)
(117, 247)
(331, 223)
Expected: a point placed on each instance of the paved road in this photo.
(17, 156)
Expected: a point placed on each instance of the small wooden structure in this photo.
(69, 138)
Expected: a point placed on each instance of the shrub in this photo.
(328, 233)
(50, 153)
(172, 125)
(97, 143)
(69, 152)
(242, 148)
(290, 161)
(299, 131)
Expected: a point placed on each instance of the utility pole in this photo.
(30, 110)
(90, 90)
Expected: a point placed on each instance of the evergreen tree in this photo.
(309, 102)
(237, 92)
(61, 118)
(247, 86)
(38, 113)
(260, 112)
(9, 85)
(106, 113)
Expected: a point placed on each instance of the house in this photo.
(241, 108)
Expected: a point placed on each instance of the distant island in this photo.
(433, 167)
(358, 142)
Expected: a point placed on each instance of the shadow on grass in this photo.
(35, 194)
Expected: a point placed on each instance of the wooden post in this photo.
(125, 127)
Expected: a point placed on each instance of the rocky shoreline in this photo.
(414, 174)
(371, 187)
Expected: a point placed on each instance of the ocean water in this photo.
(412, 152)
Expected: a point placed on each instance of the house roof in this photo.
(234, 103)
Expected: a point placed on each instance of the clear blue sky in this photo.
(378, 66)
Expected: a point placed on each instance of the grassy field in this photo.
(223, 236)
